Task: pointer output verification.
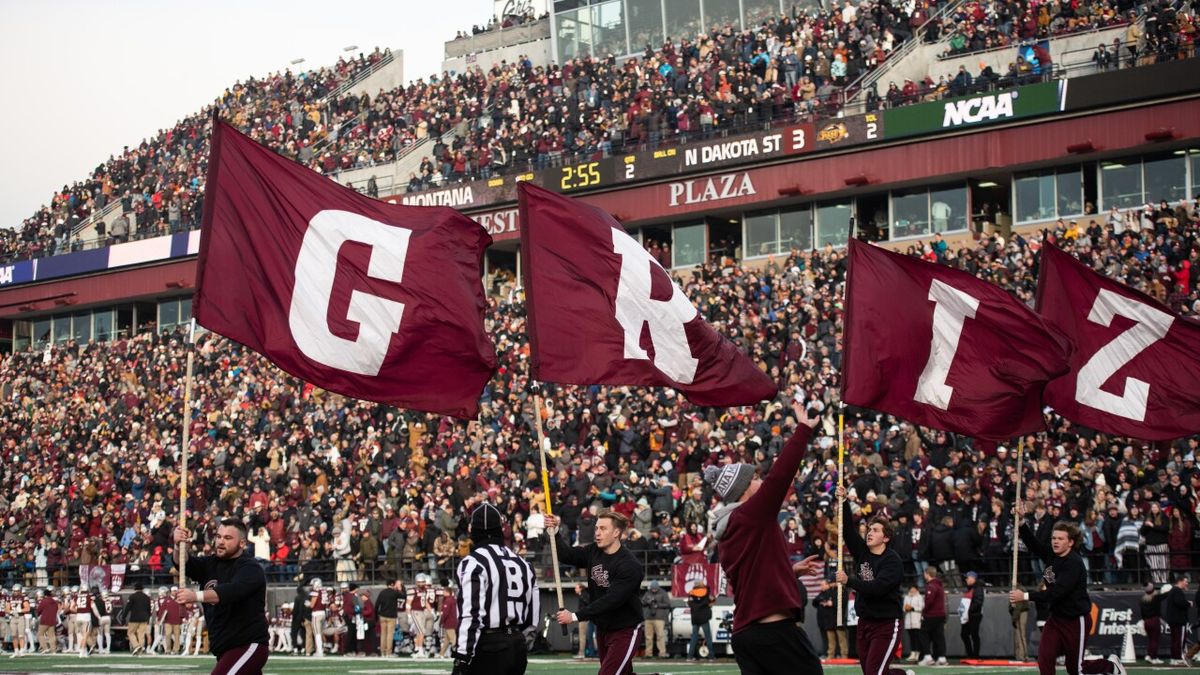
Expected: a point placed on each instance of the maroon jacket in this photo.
(935, 600)
(751, 546)
(47, 611)
(449, 612)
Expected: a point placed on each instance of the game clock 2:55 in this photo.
(580, 176)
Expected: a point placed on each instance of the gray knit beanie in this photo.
(729, 481)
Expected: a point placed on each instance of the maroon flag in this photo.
(1136, 368)
(941, 348)
(603, 311)
(367, 299)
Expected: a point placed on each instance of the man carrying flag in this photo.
(766, 636)
(614, 584)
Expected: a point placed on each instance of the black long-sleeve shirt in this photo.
(387, 603)
(1175, 607)
(1065, 579)
(138, 608)
(613, 583)
(239, 618)
(879, 577)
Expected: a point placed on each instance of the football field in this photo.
(293, 665)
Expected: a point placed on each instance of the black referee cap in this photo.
(486, 518)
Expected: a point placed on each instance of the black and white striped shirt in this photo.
(496, 589)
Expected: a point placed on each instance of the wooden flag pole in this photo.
(541, 440)
(1017, 506)
(840, 507)
(181, 556)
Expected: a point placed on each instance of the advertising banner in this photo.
(111, 577)
(976, 110)
(684, 577)
(17, 273)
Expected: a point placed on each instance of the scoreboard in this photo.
(719, 151)
(675, 160)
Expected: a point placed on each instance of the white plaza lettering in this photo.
(951, 310)
(378, 318)
(635, 308)
(712, 189)
(1152, 325)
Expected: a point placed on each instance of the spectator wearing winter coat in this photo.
(933, 620)
(700, 602)
(835, 636)
(914, 606)
(656, 608)
(1175, 608)
(970, 614)
(941, 549)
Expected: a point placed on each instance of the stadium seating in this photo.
(515, 116)
(355, 490)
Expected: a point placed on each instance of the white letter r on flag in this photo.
(635, 308)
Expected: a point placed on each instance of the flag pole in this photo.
(541, 440)
(841, 512)
(181, 556)
(1017, 506)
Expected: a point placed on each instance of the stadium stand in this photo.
(517, 117)
(362, 491)
(358, 492)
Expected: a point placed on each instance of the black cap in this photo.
(486, 518)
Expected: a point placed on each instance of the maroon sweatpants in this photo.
(876, 644)
(617, 648)
(1177, 631)
(1153, 633)
(245, 660)
(1067, 638)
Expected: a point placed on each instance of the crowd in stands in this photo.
(1167, 33)
(359, 491)
(979, 26)
(160, 181)
(519, 18)
(516, 116)
(353, 490)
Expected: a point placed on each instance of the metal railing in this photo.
(864, 81)
(1027, 42)
(1106, 571)
(392, 178)
(96, 217)
(349, 84)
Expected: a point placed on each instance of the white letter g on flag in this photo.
(378, 318)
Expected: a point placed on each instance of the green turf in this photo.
(291, 665)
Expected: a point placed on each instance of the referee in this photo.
(497, 602)
(233, 590)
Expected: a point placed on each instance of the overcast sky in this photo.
(81, 79)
